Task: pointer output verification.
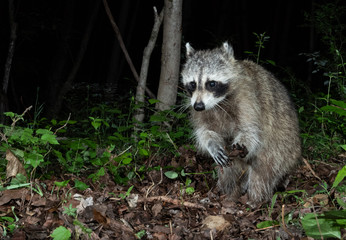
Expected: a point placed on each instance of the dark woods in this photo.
(61, 47)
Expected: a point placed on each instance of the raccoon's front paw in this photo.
(238, 150)
(219, 155)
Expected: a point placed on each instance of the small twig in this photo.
(68, 119)
(170, 227)
(173, 201)
(3, 137)
(17, 119)
(311, 170)
(269, 227)
(171, 141)
(154, 185)
(124, 151)
(283, 221)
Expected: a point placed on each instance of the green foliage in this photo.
(324, 225)
(9, 224)
(323, 122)
(32, 146)
(259, 44)
(70, 211)
(61, 233)
(140, 234)
(323, 128)
(184, 177)
(103, 143)
(339, 177)
(123, 196)
(267, 223)
(81, 186)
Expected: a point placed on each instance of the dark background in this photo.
(50, 33)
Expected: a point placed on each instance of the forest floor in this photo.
(160, 208)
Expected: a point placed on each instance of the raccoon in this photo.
(239, 107)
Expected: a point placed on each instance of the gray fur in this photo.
(239, 102)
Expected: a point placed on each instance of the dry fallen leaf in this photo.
(14, 166)
(156, 209)
(100, 218)
(8, 195)
(216, 222)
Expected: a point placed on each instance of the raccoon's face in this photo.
(206, 76)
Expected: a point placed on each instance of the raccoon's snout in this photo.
(199, 106)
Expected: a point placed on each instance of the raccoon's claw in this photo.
(221, 158)
(238, 150)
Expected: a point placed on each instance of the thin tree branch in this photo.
(139, 116)
(123, 48)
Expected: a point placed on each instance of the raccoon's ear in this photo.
(189, 50)
(228, 50)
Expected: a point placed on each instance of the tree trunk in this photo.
(170, 60)
(7, 70)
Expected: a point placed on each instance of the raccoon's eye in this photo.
(190, 87)
(211, 84)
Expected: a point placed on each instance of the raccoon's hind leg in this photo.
(261, 185)
(233, 180)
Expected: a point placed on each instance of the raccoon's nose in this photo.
(199, 106)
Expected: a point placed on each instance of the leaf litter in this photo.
(160, 208)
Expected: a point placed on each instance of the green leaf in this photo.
(140, 234)
(42, 131)
(271, 62)
(190, 190)
(153, 101)
(61, 184)
(157, 118)
(80, 185)
(143, 135)
(330, 108)
(171, 174)
(49, 138)
(273, 203)
(127, 161)
(8, 219)
(70, 211)
(182, 173)
(339, 103)
(61, 233)
(9, 114)
(339, 177)
(318, 226)
(19, 179)
(266, 224)
(143, 152)
(188, 182)
(34, 159)
(301, 109)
